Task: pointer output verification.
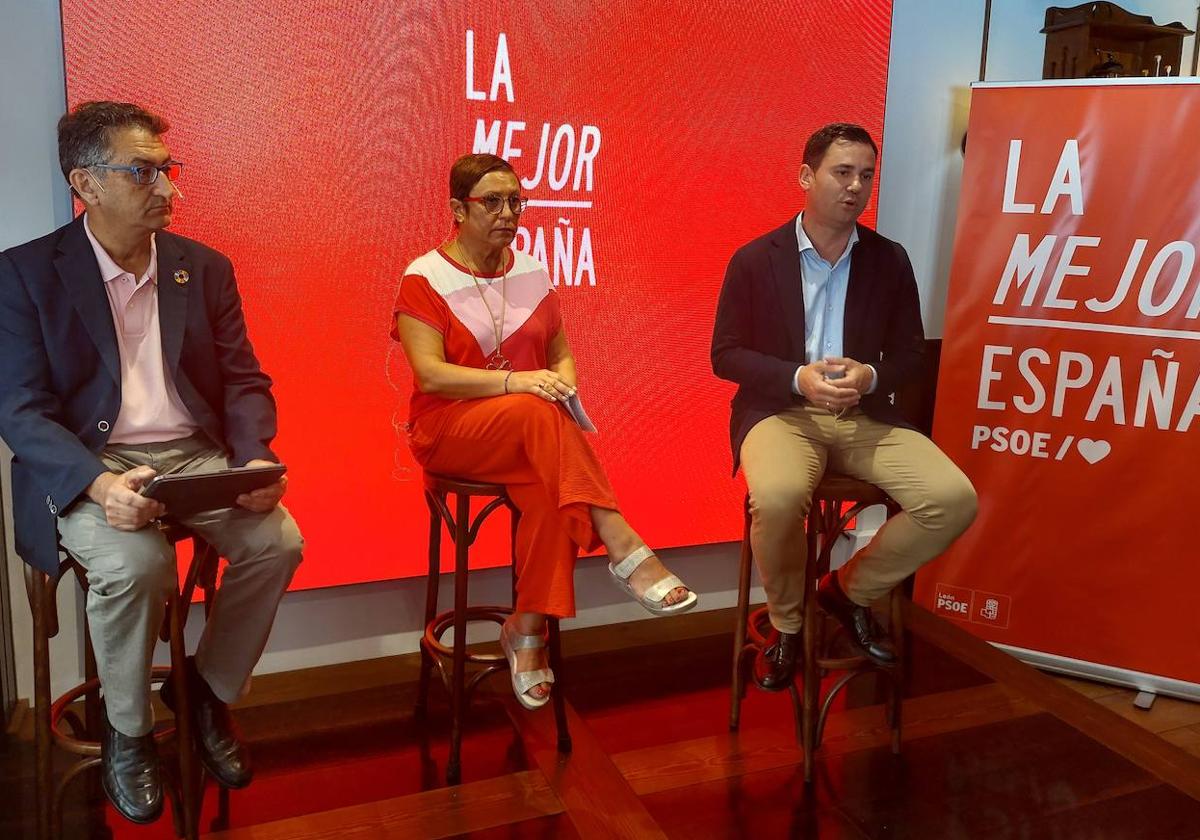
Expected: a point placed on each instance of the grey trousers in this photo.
(130, 575)
(784, 457)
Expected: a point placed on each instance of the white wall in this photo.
(935, 56)
(33, 201)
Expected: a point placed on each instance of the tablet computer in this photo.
(184, 495)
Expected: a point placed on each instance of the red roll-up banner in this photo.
(1070, 377)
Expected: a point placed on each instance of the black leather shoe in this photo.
(216, 735)
(864, 632)
(775, 665)
(129, 769)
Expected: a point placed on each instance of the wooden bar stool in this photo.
(83, 739)
(828, 518)
(463, 531)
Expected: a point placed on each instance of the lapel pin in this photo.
(181, 277)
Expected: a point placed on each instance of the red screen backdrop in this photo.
(654, 138)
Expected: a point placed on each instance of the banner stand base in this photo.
(1137, 680)
(1145, 699)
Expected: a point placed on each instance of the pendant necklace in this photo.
(496, 361)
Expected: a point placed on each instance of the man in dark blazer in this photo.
(124, 355)
(819, 323)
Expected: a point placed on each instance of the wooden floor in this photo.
(991, 749)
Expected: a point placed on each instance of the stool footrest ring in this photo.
(444, 622)
(81, 746)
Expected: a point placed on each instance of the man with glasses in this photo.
(124, 355)
(818, 323)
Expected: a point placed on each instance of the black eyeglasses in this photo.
(495, 203)
(145, 175)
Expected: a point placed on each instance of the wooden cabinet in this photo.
(1102, 39)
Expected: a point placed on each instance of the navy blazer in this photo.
(60, 370)
(758, 336)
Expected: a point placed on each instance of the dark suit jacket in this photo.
(60, 374)
(758, 338)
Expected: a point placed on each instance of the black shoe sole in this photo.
(783, 685)
(778, 688)
(164, 694)
(136, 820)
(832, 613)
(879, 663)
(208, 768)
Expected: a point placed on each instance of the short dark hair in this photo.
(826, 136)
(469, 169)
(84, 132)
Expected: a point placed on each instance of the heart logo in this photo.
(1094, 451)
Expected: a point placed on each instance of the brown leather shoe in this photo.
(864, 632)
(775, 665)
(218, 741)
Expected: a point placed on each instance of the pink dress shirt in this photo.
(151, 409)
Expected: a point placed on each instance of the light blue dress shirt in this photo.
(824, 288)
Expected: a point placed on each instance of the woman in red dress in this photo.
(481, 328)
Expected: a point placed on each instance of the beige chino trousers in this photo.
(130, 574)
(784, 457)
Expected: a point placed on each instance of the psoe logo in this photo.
(954, 601)
(992, 608)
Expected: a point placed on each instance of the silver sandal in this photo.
(652, 598)
(523, 681)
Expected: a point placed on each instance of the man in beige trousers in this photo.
(819, 323)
